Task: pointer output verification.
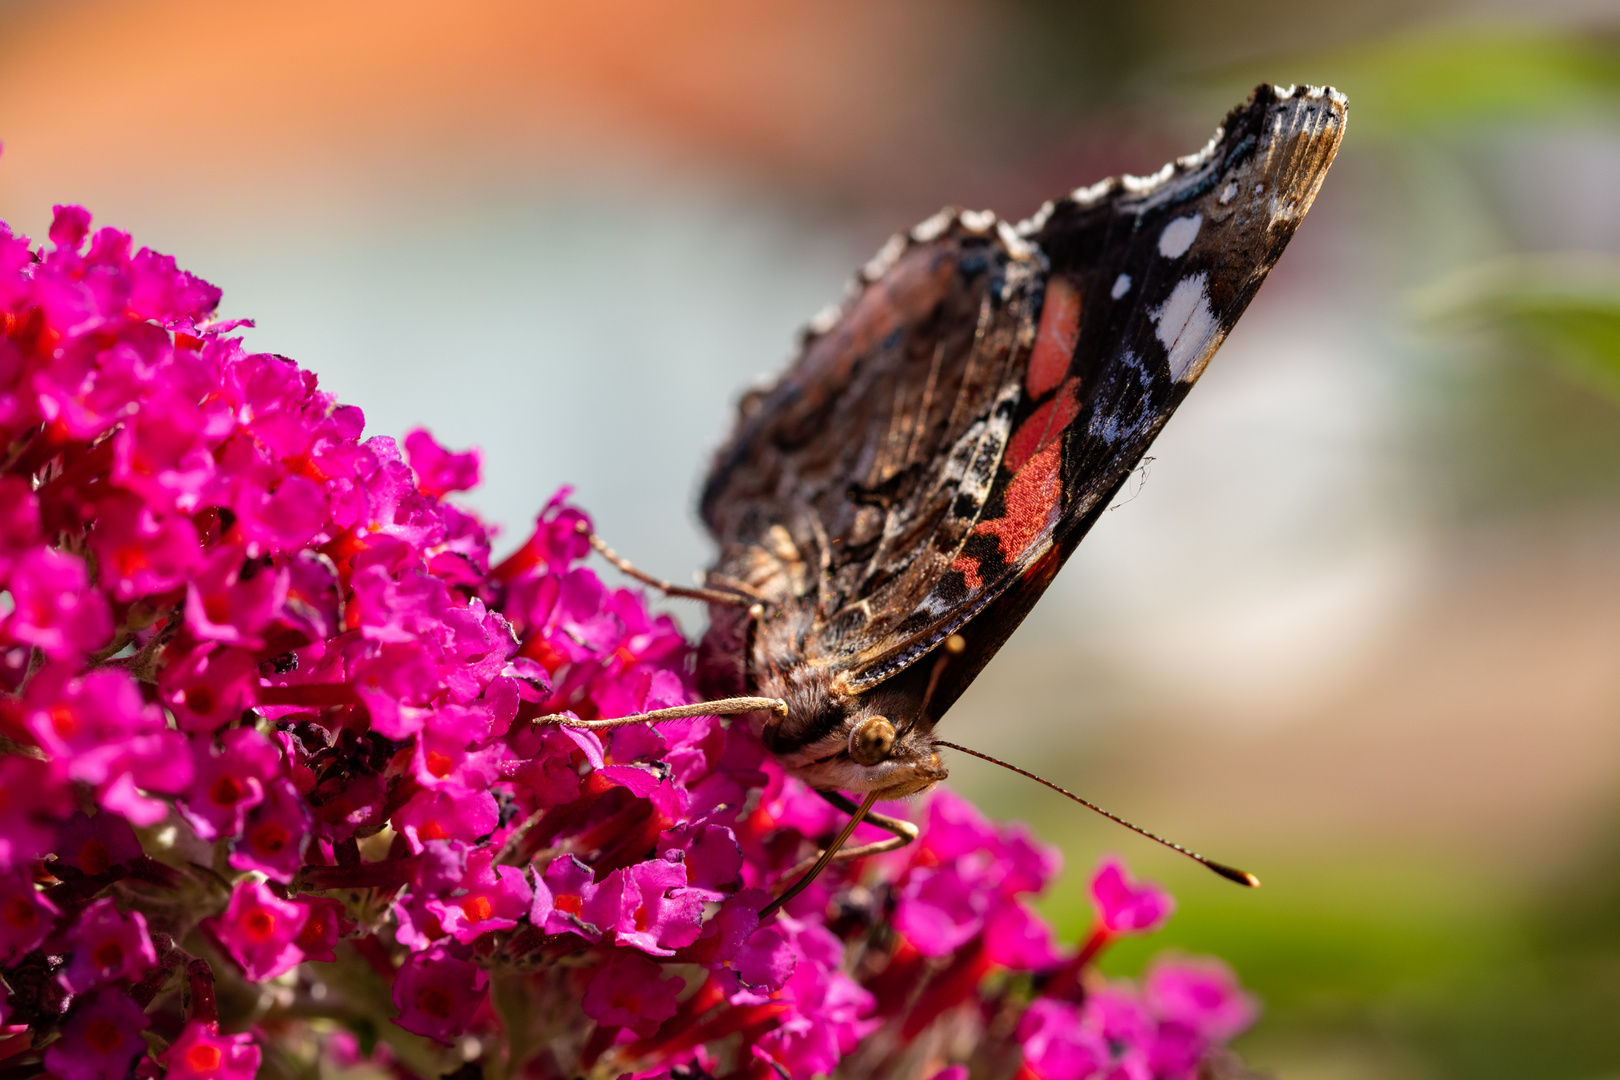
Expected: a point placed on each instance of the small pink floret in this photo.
(202, 1053)
(260, 931)
(1125, 905)
(437, 994)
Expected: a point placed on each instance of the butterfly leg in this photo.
(668, 588)
(904, 832)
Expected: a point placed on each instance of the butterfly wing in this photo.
(877, 449)
(936, 452)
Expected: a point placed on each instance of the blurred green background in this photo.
(1357, 628)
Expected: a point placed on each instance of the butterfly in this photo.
(893, 505)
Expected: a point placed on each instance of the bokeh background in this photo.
(1356, 627)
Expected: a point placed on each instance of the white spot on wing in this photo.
(1229, 192)
(1193, 161)
(1094, 193)
(1139, 185)
(933, 228)
(1122, 285)
(1036, 221)
(826, 319)
(1187, 327)
(885, 258)
(1017, 246)
(1179, 235)
(977, 221)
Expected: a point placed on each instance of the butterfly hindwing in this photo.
(851, 479)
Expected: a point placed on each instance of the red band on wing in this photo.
(1043, 426)
(1032, 502)
(968, 567)
(1056, 339)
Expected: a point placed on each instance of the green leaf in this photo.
(1565, 307)
(1411, 85)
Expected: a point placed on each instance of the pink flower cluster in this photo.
(277, 778)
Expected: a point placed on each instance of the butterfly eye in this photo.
(871, 740)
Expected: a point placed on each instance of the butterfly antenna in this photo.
(1230, 873)
(826, 857)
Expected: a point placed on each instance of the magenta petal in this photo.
(955, 827)
(101, 1038)
(571, 888)
(657, 913)
(437, 815)
(939, 911)
(762, 965)
(283, 519)
(437, 994)
(211, 686)
(230, 781)
(55, 609)
(1201, 993)
(631, 991)
(202, 1053)
(1017, 938)
(488, 898)
(1056, 1045)
(107, 946)
(141, 552)
(225, 603)
(93, 845)
(259, 930)
(438, 470)
(1126, 906)
(26, 916)
(274, 832)
(69, 226)
(322, 929)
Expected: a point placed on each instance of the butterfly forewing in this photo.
(936, 452)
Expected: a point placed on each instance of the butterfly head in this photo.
(834, 742)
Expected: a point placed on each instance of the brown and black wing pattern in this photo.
(1145, 279)
(850, 483)
(940, 450)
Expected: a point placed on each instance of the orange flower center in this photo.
(65, 721)
(130, 561)
(203, 1058)
(259, 924)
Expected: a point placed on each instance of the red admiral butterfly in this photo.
(893, 506)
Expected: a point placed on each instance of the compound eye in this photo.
(871, 740)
